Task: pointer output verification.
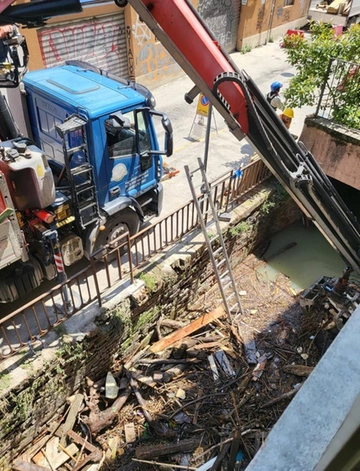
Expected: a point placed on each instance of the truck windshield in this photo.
(121, 140)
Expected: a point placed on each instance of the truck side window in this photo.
(144, 141)
(121, 141)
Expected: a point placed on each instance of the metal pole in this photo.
(207, 136)
(60, 268)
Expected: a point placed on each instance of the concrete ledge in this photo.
(301, 435)
(337, 149)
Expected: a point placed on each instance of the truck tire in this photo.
(126, 221)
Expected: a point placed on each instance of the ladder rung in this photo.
(235, 306)
(87, 223)
(220, 263)
(82, 169)
(224, 274)
(79, 191)
(206, 213)
(217, 251)
(79, 148)
(72, 124)
(215, 237)
(230, 296)
(83, 206)
(227, 285)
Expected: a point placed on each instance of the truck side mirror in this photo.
(165, 128)
(169, 139)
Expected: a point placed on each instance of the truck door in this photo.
(131, 169)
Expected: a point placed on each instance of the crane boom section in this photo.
(177, 25)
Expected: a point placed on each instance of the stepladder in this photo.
(208, 217)
(210, 225)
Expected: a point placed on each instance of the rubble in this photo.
(191, 397)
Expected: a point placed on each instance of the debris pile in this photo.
(195, 397)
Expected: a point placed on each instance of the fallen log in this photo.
(153, 451)
(298, 370)
(157, 427)
(286, 395)
(98, 420)
(189, 329)
(172, 324)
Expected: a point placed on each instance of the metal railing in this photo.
(25, 326)
(339, 99)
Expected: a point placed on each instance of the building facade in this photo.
(115, 38)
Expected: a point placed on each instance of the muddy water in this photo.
(302, 254)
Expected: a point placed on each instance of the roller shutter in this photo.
(222, 18)
(101, 41)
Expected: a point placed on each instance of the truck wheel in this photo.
(126, 221)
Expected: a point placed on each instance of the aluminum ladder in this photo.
(210, 226)
(81, 177)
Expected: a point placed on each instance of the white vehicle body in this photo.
(341, 18)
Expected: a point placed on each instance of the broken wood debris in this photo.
(200, 392)
(187, 330)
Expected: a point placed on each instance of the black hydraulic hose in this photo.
(8, 128)
(301, 175)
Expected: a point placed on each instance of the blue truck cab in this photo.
(115, 148)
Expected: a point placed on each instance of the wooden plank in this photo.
(21, 465)
(213, 367)
(71, 417)
(130, 433)
(153, 451)
(187, 330)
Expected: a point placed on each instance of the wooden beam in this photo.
(187, 330)
(153, 451)
(21, 465)
(71, 417)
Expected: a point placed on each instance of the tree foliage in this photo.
(311, 58)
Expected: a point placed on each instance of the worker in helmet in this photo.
(274, 98)
(287, 116)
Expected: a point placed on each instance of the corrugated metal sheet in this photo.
(222, 18)
(101, 41)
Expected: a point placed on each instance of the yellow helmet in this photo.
(289, 112)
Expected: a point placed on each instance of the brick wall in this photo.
(26, 410)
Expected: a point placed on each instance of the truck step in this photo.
(72, 124)
(83, 188)
(81, 170)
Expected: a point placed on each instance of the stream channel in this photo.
(303, 254)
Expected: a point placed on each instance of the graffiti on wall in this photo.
(156, 62)
(283, 14)
(96, 41)
(130, 54)
(152, 59)
(142, 33)
(221, 17)
(260, 19)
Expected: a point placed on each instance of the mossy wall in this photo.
(168, 291)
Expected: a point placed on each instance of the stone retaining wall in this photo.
(170, 284)
(335, 147)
